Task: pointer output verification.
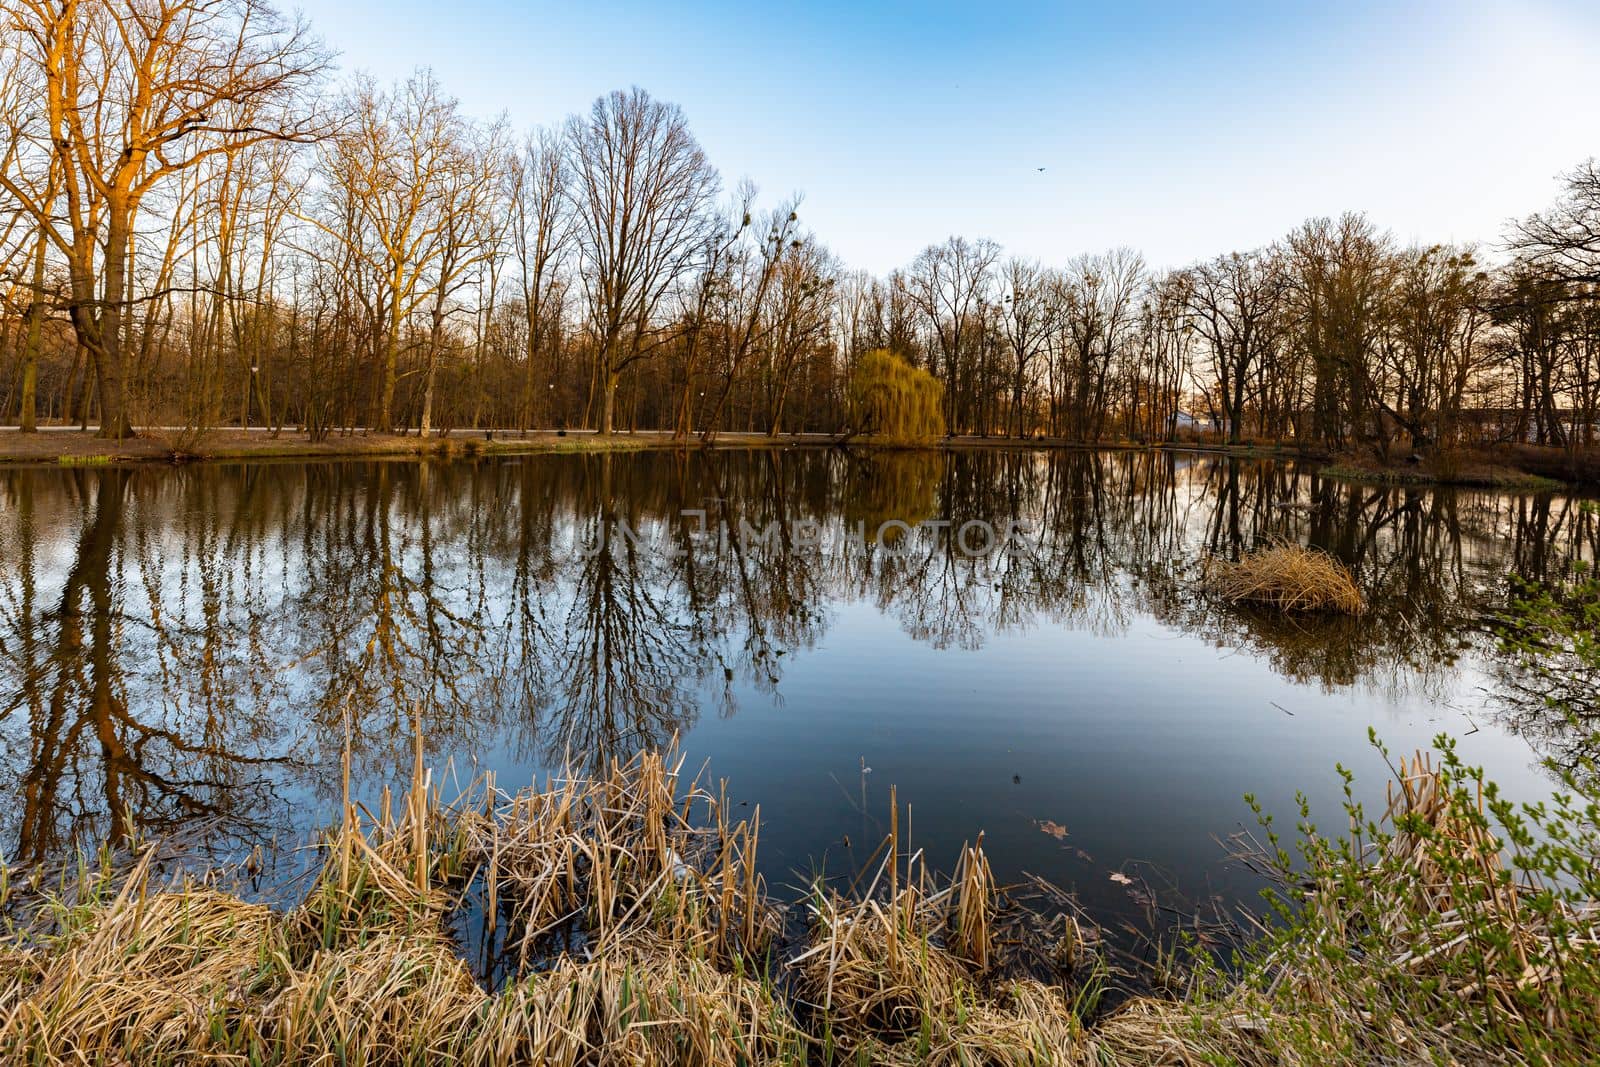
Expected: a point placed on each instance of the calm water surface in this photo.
(181, 649)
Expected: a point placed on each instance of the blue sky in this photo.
(1180, 129)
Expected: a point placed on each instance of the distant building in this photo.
(1199, 423)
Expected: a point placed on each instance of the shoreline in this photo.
(73, 447)
(1519, 468)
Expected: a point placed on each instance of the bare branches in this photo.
(1565, 239)
(136, 92)
(641, 189)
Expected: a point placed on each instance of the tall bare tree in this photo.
(1098, 305)
(1234, 306)
(1027, 319)
(135, 92)
(642, 189)
(541, 237)
(950, 283)
(468, 236)
(392, 172)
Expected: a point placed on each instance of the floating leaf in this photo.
(1054, 829)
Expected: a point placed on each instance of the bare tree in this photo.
(950, 283)
(641, 188)
(1027, 319)
(1233, 305)
(541, 236)
(1098, 298)
(467, 236)
(1165, 343)
(1565, 239)
(1430, 347)
(713, 274)
(391, 172)
(750, 277)
(1338, 274)
(23, 242)
(798, 317)
(137, 91)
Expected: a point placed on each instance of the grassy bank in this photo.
(1526, 468)
(75, 448)
(631, 927)
(1483, 477)
(78, 448)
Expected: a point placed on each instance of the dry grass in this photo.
(648, 1005)
(676, 961)
(1287, 577)
(146, 975)
(637, 848)
(881, 984)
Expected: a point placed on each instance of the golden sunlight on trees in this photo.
(895, 402)
(128, 99)
(198, 230)
(642, 187)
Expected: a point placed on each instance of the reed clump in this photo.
(909, 972)
(1287, 577)
(636, 848)
(1451, 927)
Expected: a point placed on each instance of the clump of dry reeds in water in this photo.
(902, 974)
(1286, 577)
(635, 848)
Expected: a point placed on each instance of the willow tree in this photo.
(135, 93)
(894, 401)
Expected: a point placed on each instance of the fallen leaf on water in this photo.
(1054, 829)
(1120, 878)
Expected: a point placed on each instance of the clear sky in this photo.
(1181, 129)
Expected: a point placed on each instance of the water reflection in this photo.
(183, 649)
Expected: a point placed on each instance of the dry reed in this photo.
(1287, 577)
(636, 848)
(675, 960)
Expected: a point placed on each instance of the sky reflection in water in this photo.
(178, 648)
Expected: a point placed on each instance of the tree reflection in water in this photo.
(183, 649)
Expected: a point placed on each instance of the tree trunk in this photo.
(609, 404)
(391, 353)
(102, 337)
(533, 353)
(433, 365)
(28, 420)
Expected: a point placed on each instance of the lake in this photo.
(1016, 641)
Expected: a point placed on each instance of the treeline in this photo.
(199, 228)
